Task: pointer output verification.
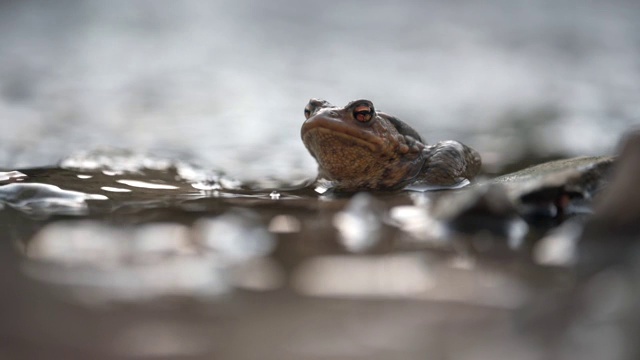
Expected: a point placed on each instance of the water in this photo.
(136, 246)
(156, 200)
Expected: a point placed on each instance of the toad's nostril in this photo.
(314, 105)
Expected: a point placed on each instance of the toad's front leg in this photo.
(449, 163)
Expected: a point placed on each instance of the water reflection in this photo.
(114, 189)
(360, 223)
(146, 185)
(274, 195)
(236, 235)
(162, 339)
(417, 222)
(258, 274)
(284, 224)
(364, 276)
(105, 263)
(408, 276)
(558, 247)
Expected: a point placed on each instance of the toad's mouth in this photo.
(318, 128)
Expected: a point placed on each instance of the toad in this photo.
(359, 148)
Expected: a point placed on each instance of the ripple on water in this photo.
(120, 161)
(42, 200)
(11, 175)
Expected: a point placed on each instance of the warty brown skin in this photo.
(359, 148)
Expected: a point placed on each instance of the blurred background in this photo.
(225, 82)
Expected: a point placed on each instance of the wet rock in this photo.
(618, 209)
(599, 313)
(612, 235)
(557, 188)
(497, 208)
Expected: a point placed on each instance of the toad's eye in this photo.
(363, 113)
(307, 113)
